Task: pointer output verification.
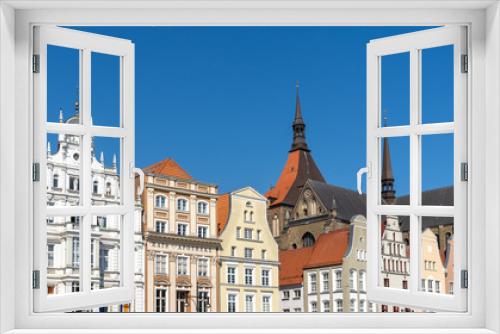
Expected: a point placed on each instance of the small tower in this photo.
(114, 161)
(387, 179)
(61, 116)
(101, 159)
(48, 148)
(298, 126)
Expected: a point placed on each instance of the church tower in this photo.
(387, 177)
(299, 167)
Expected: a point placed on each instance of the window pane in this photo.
(63, 255)
(437, 170)
(63, 81)
(395, 86)
(106, 154)
(436, 249)
(395, 170)
(395, 252)
(106, 251)
(105, 90)
(63, 170)
(437, 84)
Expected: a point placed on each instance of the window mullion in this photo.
(85, 172)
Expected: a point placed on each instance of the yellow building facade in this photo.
(432, 275)
(248, 259)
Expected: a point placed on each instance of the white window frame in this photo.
(86, 43)
(165, 206)
(16, 309)
(413, 42)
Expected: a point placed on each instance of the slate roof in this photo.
(347, 202)
(439, 197)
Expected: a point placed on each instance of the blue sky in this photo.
(220, 100)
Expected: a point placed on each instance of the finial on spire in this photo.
(61, 116)
(387, 179)
(384, 123)
(297, 85)
(101, 158)
(77, 99)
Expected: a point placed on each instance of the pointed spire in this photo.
(387, 179)
(48, 148)
(298, 126)
(114, 161)
(101, 158)
(61, 116)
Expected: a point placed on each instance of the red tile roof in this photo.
(222, 212)
(299, 167)
(291, 265)
(168, 167)
(329, 249)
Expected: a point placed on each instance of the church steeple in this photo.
(387, 179)
(299, 127)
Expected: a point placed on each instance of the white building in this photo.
(63, 240)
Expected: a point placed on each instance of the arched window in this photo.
(203, 208)
(182, 204)
(362, 280)
(55, 181)
(251, 216)
(95, 187)
(161, 201)
(108, 188)
(308, 239)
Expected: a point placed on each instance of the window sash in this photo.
(86, 43)
(449, 35)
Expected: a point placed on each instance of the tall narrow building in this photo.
(299, 167)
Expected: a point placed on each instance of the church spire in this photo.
(298, 126)
(387, 179)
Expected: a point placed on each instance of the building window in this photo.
(76, 253)
(266, 303)
(73, 183)
(248, 253)
(75, 286)
(238, 232)
(202, 302)
(386, 283)
(248, 276)
(438, 288)
(202, 267)
(50, 255)
(429, 286)
(182, 229)
(340, 305)
(296, 294)
(353, 279)
(326, 306)
(314, 307)
(297, 309)
(249, 307)
(161, 300)
(362, 281)
(258, 234)
(104, 259)
(248, 233)
(182, 205)
(203, 208)
(265, 277)
(182, 265)
(312, 283)
(160, 264)
(233, 250)
(203, 232)
(263, 254)
(338, 279)
(451, 288)
(353, 305)
(102, 222)
(405, 284)
(160, 226)
(362, 305)
(108, 188)
(325, 277)
(161, 202)
(286, 310)
(231, 275)
(423, 284)
(231, 303)
(308, 239)
(286, 295)
(55, 181)
(95, 187)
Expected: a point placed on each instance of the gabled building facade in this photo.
(180, 235)
(248, 259)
